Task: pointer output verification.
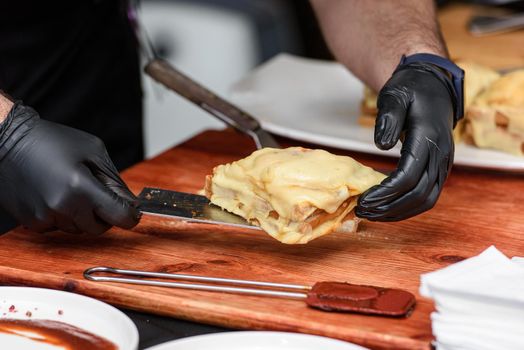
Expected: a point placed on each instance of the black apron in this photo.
(76, 63)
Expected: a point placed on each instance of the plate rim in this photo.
(56, 294)
(247, 333)
(246, 86)
(324, 140)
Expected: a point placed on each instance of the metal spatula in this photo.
(188, 207)
(164, 73)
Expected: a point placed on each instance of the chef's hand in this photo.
(55, 177)
(417, 106)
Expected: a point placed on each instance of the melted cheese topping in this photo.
(476, 79)
(505, 91)
(482, 126)
(501, 103)
(282, 190)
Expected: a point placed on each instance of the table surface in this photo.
(155, 329)
(499, 51)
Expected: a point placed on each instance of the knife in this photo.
(188, 207)
(164, 73)
(481, 25)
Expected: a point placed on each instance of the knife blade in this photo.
(188, 207)
(481, 25)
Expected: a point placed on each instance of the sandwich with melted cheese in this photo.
(496, 118)
(294, 194)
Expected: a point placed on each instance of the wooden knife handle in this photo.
(173, 79)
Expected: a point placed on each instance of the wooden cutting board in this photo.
(499, 51)
(475, 211)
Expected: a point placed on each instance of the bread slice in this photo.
(368, 108)
(294, 194)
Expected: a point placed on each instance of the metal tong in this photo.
(164, 73)
(281, 290)
(326, 296)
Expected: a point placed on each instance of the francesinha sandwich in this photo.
(294, 194)
(496, 118)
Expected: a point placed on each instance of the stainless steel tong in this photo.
(326, 296)
(164, 73)
(228, 285)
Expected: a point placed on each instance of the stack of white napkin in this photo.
(479, 302)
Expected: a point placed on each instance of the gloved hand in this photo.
(416, 104)
(56, 177)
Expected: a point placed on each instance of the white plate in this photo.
(257, 341)
(89, 314)
(319, 102)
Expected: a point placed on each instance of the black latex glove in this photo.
(55, 177)
(417, 103)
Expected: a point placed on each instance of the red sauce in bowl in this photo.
(56, 333)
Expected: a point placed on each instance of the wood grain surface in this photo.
(475, 211)
(499, 50)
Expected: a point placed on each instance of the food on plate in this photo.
(368, 108)
(496, 118)
(477, 79)
(294, 194)
(55, 333)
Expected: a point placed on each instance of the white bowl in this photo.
(86, 313)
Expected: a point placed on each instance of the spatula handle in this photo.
(173, 79)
